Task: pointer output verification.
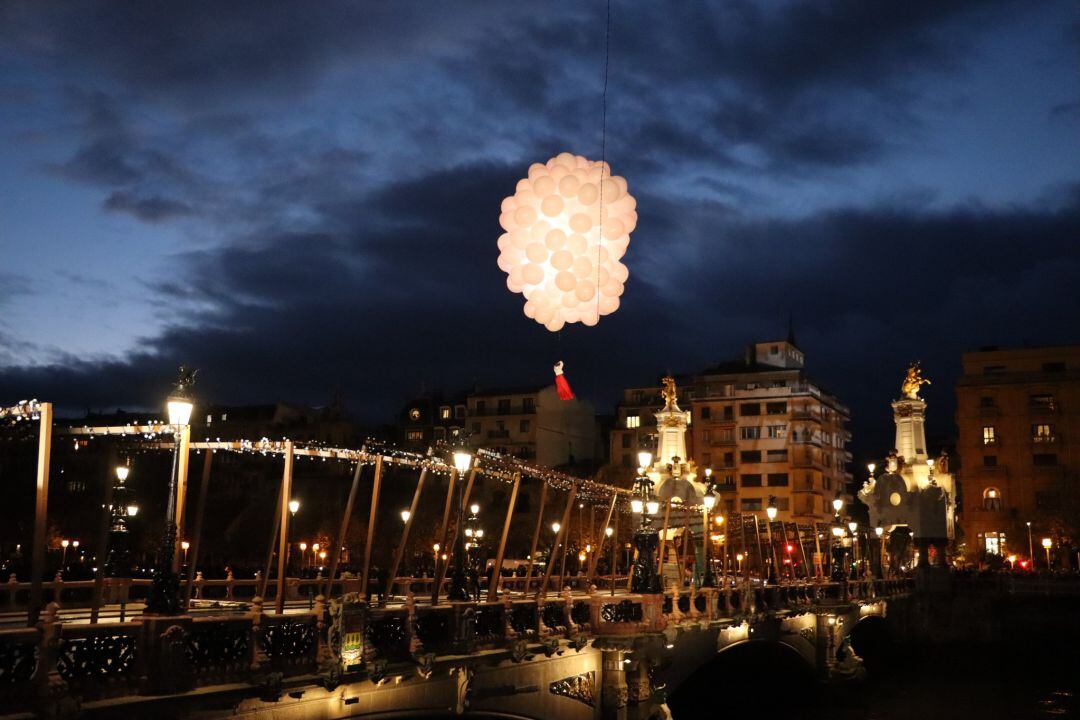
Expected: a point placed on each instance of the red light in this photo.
(1024, 564)
(790, 547)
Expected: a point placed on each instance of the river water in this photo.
(1021, 681)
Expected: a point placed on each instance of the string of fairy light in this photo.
(488, 463)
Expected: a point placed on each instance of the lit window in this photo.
(224, 417)
(1042, 433)
(994, 543)
(633, 421)
(416, 435)
(209, 419)
(750, 433)
(777, 431)
(444, 412)
(991, 499)
(989, 436)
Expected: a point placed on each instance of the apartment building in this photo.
(762, 425)
(1018, 414)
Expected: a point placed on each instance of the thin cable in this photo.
(603, 149)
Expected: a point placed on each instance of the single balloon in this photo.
(567, 228)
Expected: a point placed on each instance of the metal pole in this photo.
(602, 538)
(819, 565)
(346, 519)
(558, 539)
(273, 540)
(663, 542)
(405, 533)
(200, 510)
(437, 571)
(536, 537)
(458, 530)
(283, 536)
(372, 516)
(41, 510)
(616, 550)
(493, 588)
(761, 553)
(102, 549)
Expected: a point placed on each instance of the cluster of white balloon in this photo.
(567, 227)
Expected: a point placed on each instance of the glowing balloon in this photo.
(567, 227)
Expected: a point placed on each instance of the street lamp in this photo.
(707, 504)
(838, 504)
(459, 590)
(770, 512)
(1047, 544)
(854, 527)
(164, 595)
(185, 546)
(405, 515)
(63, 555)
(121, 507)
(880, 532)
(1031, 546)
(838, 534)
(294, 506)
(303, 553)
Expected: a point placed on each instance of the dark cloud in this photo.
(151, 209)
(344, 163)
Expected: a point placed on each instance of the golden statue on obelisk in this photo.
(668, 391)
(913, 381)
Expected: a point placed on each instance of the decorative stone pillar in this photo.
(614, 692)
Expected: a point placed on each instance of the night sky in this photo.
(303, 198)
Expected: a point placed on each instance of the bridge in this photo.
(548, 644)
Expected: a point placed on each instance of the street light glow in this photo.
(644, 459)
(122, 472)
(462, 461)
(294, 505)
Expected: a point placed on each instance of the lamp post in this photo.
(123, 507)
(770, 513)
(880, 532)
(838, 572)
(459, 590)
(294, 507)
(853, 527)
(303, 553)
(838, 504)
(1047, 543)
(164, 595)
(185, 546)
(1031, 546)
(646, 539)
(707, 504)
(63, 554)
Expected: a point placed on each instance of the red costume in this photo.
(561, 385)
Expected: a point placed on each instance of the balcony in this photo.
(1046, 441)
(723, 442)
(1046, 407)
(498, 434)
(802, 414)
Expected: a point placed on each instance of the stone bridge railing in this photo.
(55, 663)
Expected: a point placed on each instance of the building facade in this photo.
(530, 423)
(1018, 414)
(762, 425)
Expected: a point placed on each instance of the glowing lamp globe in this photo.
(567, 227)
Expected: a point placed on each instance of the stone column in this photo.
(614, 692)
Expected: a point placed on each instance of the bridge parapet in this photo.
(57, 663)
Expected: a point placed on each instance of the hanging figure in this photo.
(561, 385)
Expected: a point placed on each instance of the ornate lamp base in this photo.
(645, 580)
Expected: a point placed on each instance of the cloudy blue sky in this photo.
(300, 198)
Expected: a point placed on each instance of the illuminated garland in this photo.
(488, 463)
(23, 410)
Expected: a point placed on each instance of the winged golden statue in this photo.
(913, 381)
(668, 390)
